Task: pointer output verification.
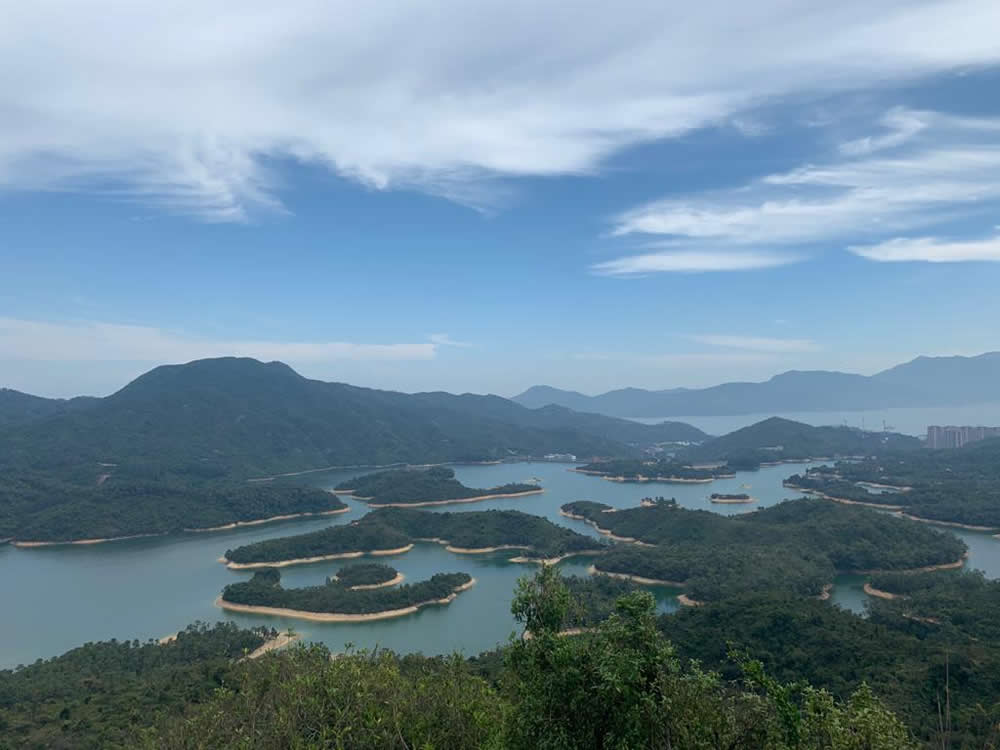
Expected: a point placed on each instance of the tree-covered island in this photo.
(394, 530)
(647, 470)
(368, 576)
(421, 487)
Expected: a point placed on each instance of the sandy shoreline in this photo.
(553, 560)
(366, 586)
(335, 617)
(925, 569)
(825, 593)
(841, 500)
(317, 558)
(687, 601)
(953, 524)
(872, 591)
(84, 541)
(279, 641)
(732, 501)
(663, 480)
(605, 532)
(592, 570)
(476, 499)
(238, 524)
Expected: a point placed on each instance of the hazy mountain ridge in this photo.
(922, 382)
(252, 417)
(20, 408)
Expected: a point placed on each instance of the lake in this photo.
(56, 598)
(909, 421)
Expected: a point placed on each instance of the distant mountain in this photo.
(925, 381)
(19, 408)
(246, 417)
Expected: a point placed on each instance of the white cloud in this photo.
(930, 250)
(691, 262)
(97, 341)
(193, 104)
(443, 339)
(940, 168)
(758, 343)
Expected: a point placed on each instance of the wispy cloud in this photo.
(443, 339)
(758, 343)
(930, 250)
(691, 262)
(98, 341)
(930, 169)
(195, 105)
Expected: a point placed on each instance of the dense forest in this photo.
(662, 470)
(365, 574)
(766, 664)
(36, 509)
(264, 589)
(97, 695)
(392, 528)
(796, 546)
(412, 486)
(778, 439)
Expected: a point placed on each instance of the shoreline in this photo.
(309, 560)
(605, 532)
(825, 594)
(953, 524)
(843, 500)
(367, 586)
(593, 570)
(879, 593)
(239, 524)
(687, 601)
(925, 569)
(663, 480)
(341, 617)
(427, 503)
(279, 641)
(29, 544)
(732, 501)
(552, 560)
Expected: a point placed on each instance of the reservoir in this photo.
(59, 597)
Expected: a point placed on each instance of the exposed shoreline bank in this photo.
(259, 521)
(924, 569)
(366, 586)
(879, 593)
(605, 532)
(428, 503)
(953, 524)
(318, 558)
(593, 570)
(341, 617)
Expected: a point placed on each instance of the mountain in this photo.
(244, 417)
(18, 408)
(778, 439)
(925, 381)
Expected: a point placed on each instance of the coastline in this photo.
(925, 569)
(340, 617)
(427, 503)
(842, 500)
(879, 593)
(318, 558)
(732, 501)
(238, 524)
(605, 532)
(953, 524)
(592, 570)
(687, 601)
(17, 543)
(552, 560)
(366, 586)
(825, 593)
(664, 480)
(279, 641)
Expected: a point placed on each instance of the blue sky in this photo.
(485, 196)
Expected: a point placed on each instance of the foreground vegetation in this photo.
(415, 486)
(394, 528)
(264, 589)
(796, 546)
(97, 695)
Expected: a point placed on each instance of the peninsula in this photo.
(395, 530)
(413, 488)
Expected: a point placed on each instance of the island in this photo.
(336, 602)
(797, 546)
(362, 576)
(737, 499)
(394, 530)
(414, 488)
(657, 470)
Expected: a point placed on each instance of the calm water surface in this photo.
(56, 598)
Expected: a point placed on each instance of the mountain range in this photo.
(239, 417)
(922, 382)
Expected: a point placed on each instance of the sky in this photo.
(483, 196)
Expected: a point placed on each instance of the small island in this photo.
(737, 499)
(414, 488)
(337, 602)
(361, 576)
(664, 470)
(391, 531)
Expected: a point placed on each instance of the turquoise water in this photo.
(59, 597)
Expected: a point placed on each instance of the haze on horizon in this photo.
(471, 199)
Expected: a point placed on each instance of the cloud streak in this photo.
(691, 262)
(197, 106)
(930, 250)
(98, 341)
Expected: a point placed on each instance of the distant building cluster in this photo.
(956, 437)
(566, 457)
